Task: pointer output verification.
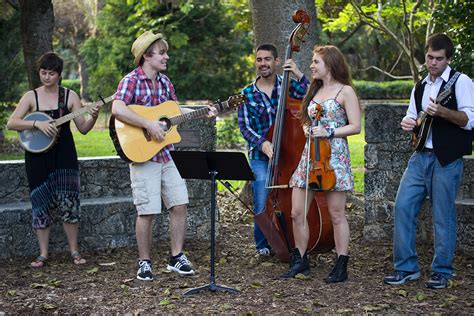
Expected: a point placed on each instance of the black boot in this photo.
(298, 264)
(339, 272)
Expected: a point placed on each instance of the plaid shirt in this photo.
(257, 114)
(136, 88)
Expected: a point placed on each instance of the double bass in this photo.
(288, 142)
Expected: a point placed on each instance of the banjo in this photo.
(35, 141)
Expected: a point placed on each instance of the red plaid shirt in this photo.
(136, 88)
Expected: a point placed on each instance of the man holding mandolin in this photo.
(435, 168)
(157, 178)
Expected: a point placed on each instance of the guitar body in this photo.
(34, 140)
(134, 143)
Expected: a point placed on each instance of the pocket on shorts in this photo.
(140, 194)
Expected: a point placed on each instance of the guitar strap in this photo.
(420, 87)
(63, 98)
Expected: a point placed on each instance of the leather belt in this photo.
(427, 150)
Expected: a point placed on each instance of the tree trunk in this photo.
(84, 75)
(36, 26)
(273, 23)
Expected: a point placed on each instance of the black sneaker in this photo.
(144, 271)
(437, 281)
(401, 277)
(181, 265)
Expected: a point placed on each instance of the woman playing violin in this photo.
(332, 95)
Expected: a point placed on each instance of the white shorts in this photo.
(152, 181)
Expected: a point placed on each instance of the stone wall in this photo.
(386, 155)
(108, 214)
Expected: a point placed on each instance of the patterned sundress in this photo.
(333, 115)
(53, 176)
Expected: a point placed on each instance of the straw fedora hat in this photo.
(142, 43)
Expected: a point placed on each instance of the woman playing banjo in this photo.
(53, 175)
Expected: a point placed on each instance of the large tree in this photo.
(272, 23)
(36, 26)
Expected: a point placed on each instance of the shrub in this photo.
(72, 84)
(398, 89)
(228, 132)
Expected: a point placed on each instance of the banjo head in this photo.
(34, 140)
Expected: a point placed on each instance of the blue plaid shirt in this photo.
(257, 114)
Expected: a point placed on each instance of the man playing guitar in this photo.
(158, 178)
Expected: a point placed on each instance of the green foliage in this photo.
(399, 89)
(5, 110)
(228, 132)
(13, 78)
(72, 84)
(207, 51)
(455, 19)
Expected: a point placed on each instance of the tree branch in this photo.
(386, 73)
(14, 4)
(345, 39)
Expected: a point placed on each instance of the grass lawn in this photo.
(97, 143)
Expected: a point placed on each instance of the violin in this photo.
(320, 174)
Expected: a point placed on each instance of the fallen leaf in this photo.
(301, 276)
(38, 285)
(105, 264)
(319, 304)
(223, 260)
(92, 271)
(344, 310)
(167, 292)
(164, 302)
(11, 292)
(225, 307)
(420, 296)
(403, 293)
(55, 282)
(48, 306)
(128, 280)
(256, 285)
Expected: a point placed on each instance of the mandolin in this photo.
(423, 122)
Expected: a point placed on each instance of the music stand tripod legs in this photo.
(212, 286)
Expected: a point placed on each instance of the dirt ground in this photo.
(107, 284)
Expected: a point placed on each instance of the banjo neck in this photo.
(83, 110)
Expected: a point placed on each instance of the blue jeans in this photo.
(260, 194)
(425, 176)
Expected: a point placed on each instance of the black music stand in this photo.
(212, 166)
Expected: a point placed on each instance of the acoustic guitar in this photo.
(424, 121)
(35, 141)
(134, 144)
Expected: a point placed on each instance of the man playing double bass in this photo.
(256, 117)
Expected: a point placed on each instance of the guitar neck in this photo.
(83, 110)
(220, 106)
